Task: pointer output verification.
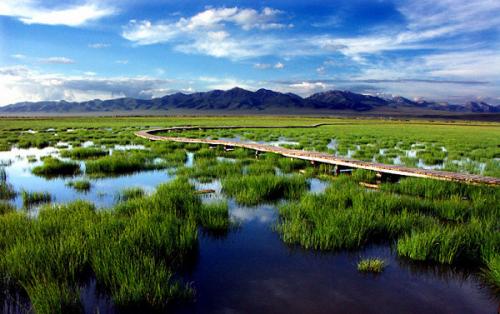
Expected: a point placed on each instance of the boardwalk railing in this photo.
(317, 157)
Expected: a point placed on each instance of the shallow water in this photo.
(252, 271)
(103, 191)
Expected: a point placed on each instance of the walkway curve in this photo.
(316, 156)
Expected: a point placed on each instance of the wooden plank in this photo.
(318, 156)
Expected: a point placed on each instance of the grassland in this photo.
(138, 249)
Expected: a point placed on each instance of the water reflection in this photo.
(102, 193)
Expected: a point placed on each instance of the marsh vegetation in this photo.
(157, 244)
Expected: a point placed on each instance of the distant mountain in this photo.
(238, 99)
(342, 100)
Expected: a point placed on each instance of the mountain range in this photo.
(238, 99)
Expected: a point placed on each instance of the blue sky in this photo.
(86, 49)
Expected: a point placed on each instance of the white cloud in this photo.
(123, 61)
(321, 70)
(35, 12)
(211, 21)
(57, 60)
(247, 19)
(208, 33)
(262, 66)
(21, 83)
(427, 21)
(99, 45)
(220, 44)
(279, 66)
(210, 82)
(483, 64)
(307, 88)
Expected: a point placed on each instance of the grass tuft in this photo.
(80, 185)
(84, 153)
(371, 265)
(53, 167)
(131, 193)
(254, 189)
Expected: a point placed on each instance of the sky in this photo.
(446, 50)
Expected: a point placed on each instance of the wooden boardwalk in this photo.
(318, 157)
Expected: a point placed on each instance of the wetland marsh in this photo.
(93, 218)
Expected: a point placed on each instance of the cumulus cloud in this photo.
(209, 32)
(306, 88)
(455, 91)
(20, 83)
(37, 12)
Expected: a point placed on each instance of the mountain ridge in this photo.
(239, 99)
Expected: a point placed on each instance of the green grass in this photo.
(121, 163)
(134, 254)
(6, 207)
(464, 244)
(348, 217)
(53, 167)
(34, 198)
(6, 191)
(492, 271)
(371, 265)
(131, 193)
(254, 189)
(84, 153)
(49, 296)
(80, 185)
(214, 217)
(361, 175)
(206, 170)
(3, 174)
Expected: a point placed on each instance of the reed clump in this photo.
(253, 189)
(7, 191)
(6, 207)
(34, 198)
(80, 185)
(122, 163)
(84, 153)
(131, 193)
(214, 217)
(53, 167)
(371, 265)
